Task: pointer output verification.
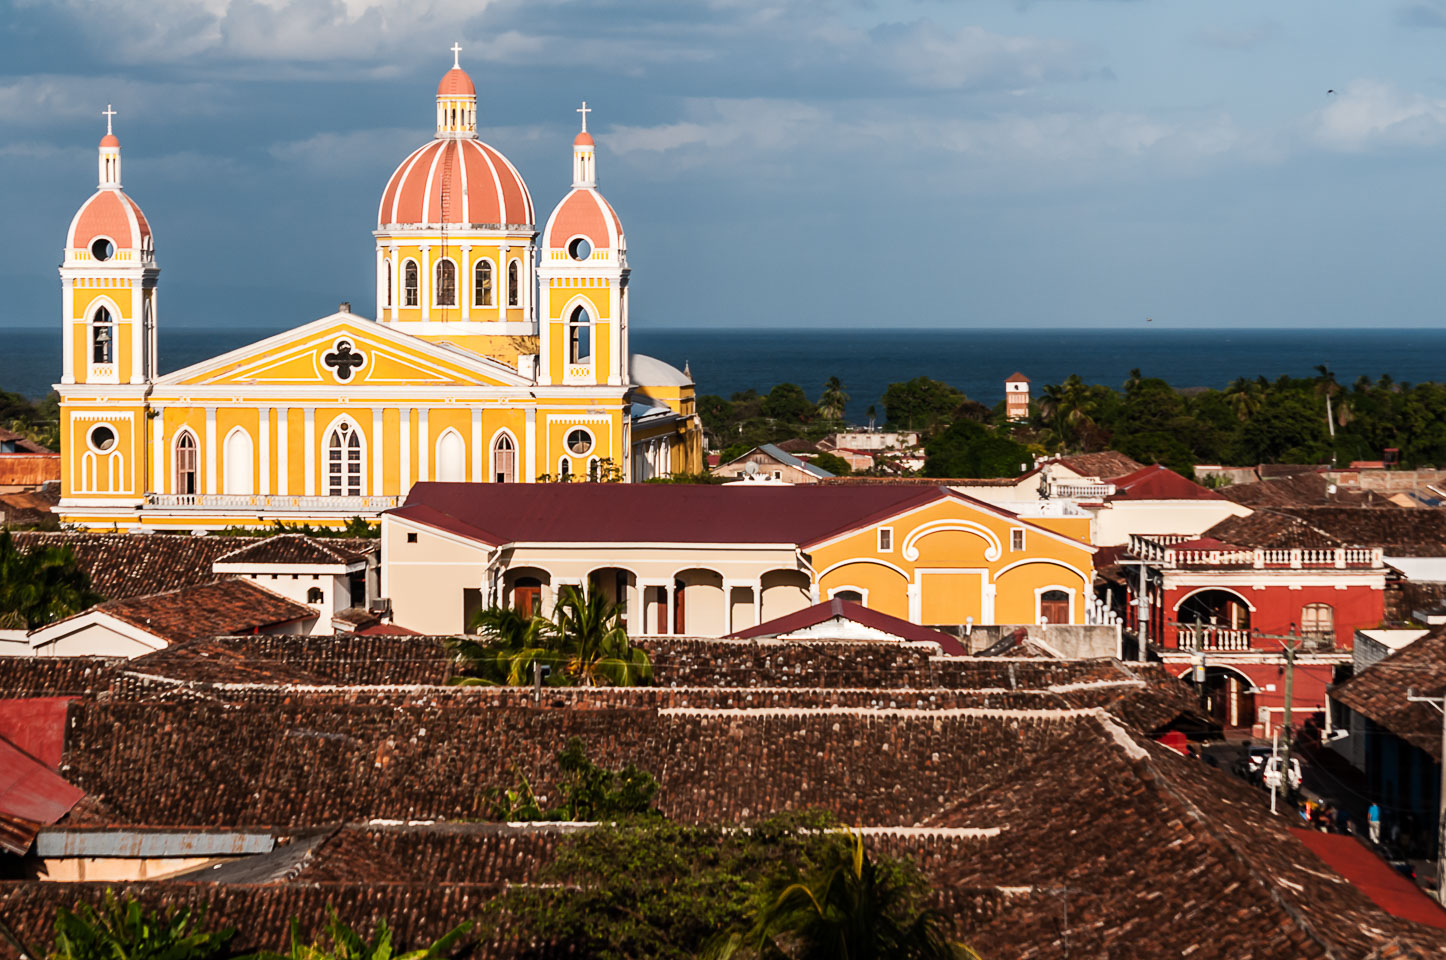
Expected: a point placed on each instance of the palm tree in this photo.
(850, 908)
(833, 400)
(1066, 407)
(583, 643)
(1245, 397)
(341, 942)
(595, 646)
(40, 585)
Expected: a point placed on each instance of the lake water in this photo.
(975, 361)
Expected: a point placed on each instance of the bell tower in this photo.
(108, 282)
(583, 303)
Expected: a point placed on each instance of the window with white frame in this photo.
(886, 539)
(446, 283)
(1318, 620)
(1016, 540)
(102, 337)
(411, 284)
(504, 460)
(514, 288)
(482, 284)
(344, 462)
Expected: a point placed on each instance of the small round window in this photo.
(102, 249)
(102, 438)
(579, 442)
(579, 249)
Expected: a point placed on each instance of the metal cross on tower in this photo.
(456, 55)
(108, 113)
(584, 110)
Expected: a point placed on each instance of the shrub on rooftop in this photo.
(340, 941)
(122, 930)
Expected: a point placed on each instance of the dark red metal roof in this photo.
(844, 610)
(1392, 892)
(31, 796)
(1159, 483)
(498, 513)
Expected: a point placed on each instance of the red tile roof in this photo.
(209, 610)
(1106, 464)
(1159, 483)
(857, 613)
(1379, 691)
(298, 548)
(661, 513)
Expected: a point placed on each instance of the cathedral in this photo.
(493, 357)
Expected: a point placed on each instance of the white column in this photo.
(308, 453)
(396, 281)
(137, 373)
(158, 452)
(211, 450)
(377, 448)
(615, 336)
(986, 606)
(381, 282)
(264, 442)
(67, 346)
(405, 447)
(669, 591)
(529, 445)
(424, 446)
(757, 602)
(502, 288)
(424, 280)
(283, 449)
(479, 454)
(464, 281)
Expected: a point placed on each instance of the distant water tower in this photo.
(1016, 397)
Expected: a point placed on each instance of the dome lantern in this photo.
(584, 161)
(109, 162)
(456, 102)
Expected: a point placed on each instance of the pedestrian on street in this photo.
(1373, 817)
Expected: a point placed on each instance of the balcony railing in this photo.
(1206, 636)
(275, 502)
(1161, 551)
(1081, 491)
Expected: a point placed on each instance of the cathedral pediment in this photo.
(344, 350)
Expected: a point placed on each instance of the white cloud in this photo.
(1373, 113)
(339, 154)
(42, 99)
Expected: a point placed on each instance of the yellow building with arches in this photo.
(497, 354)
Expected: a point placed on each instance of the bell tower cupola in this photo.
(456, 101)
(108, 281)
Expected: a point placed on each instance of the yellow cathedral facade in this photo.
(495, 355)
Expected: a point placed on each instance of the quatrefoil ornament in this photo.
(344, 359)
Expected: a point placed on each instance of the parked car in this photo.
(1271, 774)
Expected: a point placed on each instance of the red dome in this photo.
(109, 140)
(583, 139)
(456, 83)
(584, 212)
(480, 186)
(113, 215)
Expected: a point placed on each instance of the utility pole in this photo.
(1142, 626)
(1291, 646)
(1440, 704)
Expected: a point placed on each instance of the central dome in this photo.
(456, 182)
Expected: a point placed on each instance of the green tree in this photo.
(921, 404)
(968, 449)
(833, 463)
(341, 942)
(583, 644)
(1066, 407)
(833, 400)
(40, 585)
(1245, 398)
(589, 792)
(788, 402)
(850, 906)
(123, 931)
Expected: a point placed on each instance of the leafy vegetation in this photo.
(847, 904)
(968, 449)
(38, 421)
(588, 792)
(833, 463)
(341, 942)
(40, 585)
(357, 528)
(748, 419)
(582, 644)
(663, 890)
(123, 931)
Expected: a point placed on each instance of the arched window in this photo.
(237, 457)
(410, 287)
(185, 463)
(594, 469)
(482, 284)
(527, 596)
(579, 337)
(513, 287)
(1054, 606)
(848, 596)
(102, 337)
(314, 595)
(564, 470)
(344, 462)
(1318, 620)
(504, 459)
(446, 283)
(451, 457)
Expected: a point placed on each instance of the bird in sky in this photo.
(1328, 92)
(1149, 319)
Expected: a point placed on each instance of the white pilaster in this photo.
(211, 451)
(308, 451)
(915, 602)
(283, 450)
(381, 282)
(424, 281)
(137, 372)
(479, 455)
(67, 327)
(465, 291)
(378, 448)
(424, 446)
(396, 281)
(757, 602)
(264, 453)
(158, 452)
(405, 445)
(615, 335)
(669, 593)
(528, 453)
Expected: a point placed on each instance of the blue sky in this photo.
(1060, 163)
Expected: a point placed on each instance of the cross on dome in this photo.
(584, 110)
(456, 55)
(108, 112)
